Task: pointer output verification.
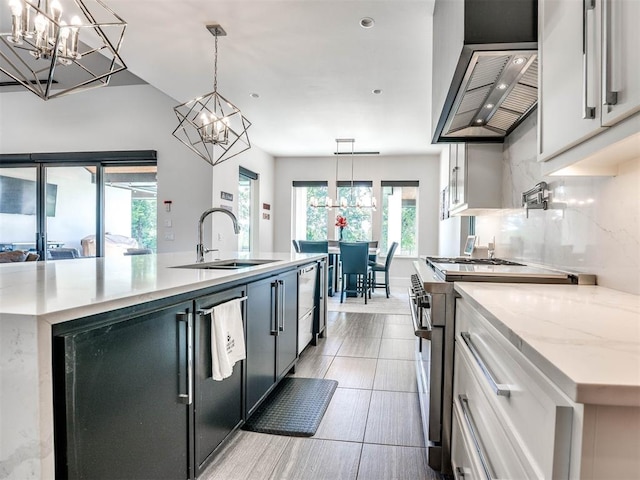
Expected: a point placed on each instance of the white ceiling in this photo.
(311, 63)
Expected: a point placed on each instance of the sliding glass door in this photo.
(63, 207)
(71, 194)
(18, 221)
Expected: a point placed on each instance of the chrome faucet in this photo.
(200, 248)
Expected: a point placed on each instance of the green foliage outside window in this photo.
(144, 222)
(316, 216)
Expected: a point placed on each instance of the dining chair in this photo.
(355, 262)
(373, 257)
(383, 267)
(318, 246)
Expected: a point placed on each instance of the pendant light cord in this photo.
(215, 64)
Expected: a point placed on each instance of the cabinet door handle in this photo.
(498, 389)
(186, 318)
(466, 412)
(275, 321)
(282, 303)
(587, 111)
(609, 97)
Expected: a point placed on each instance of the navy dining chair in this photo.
(383, 267)
(354, 257)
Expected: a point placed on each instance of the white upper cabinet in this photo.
(589, 92)
(621, 59)
(475, 178)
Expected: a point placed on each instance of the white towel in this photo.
(227, 338)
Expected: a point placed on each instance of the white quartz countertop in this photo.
(586, 339)
(61, 290)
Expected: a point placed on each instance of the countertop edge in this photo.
(583, 393)
(133, 297)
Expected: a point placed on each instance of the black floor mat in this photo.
(294, 408)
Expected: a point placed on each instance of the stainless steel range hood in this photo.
(493, 85)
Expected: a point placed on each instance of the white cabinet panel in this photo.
(536, 414)
(488, 447)
(475, 178)
(589, 84)
(620, 66)
(566, 89)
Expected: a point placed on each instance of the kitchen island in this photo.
(551, 373)
(41, 298)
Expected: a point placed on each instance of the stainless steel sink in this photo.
(228, 264)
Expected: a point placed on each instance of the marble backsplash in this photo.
(591, 226)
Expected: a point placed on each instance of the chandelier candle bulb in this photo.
(40, 24)
(56, 14)
(16, 22)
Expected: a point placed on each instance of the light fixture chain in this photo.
(215, 64)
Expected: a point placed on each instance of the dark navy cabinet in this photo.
(272, 334)
(218, 408)
(134, 396)
(121, 396)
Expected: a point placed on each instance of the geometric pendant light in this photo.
(57, 47)
(210, 125)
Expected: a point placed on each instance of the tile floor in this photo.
(372, 428)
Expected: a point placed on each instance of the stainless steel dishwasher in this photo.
(307, 278)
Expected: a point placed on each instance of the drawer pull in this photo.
(499, 389)
(464, 405)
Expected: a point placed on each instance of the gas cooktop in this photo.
(473, 261)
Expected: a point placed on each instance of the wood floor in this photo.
(372, 428)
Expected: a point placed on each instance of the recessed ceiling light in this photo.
(376, 91)
(367, 22)
(489, 105)
(254, 95)
(519, 61)
(502, 86)
(479, 120)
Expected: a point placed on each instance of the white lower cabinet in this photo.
(510, 421)
(512, 404)
(488, 451)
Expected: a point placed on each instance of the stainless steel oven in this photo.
(432, 300)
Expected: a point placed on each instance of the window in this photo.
(310, 223)
(400, 216)
(246, 180)
(359, 220)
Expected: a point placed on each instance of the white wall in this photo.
(593, 224)
(136, 117)
(425, 169)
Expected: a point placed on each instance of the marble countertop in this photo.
(57, 291)
(586, 339)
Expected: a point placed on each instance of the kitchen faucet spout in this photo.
(200, 249)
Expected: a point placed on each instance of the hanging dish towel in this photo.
(227, 338)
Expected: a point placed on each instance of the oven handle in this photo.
(498, 388)
(418, 330)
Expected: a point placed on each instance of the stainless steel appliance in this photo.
(433, 313)
(306, 301)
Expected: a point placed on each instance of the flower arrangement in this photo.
(341, 222)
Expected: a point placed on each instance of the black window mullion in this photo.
(100, 211)
(41, 212)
